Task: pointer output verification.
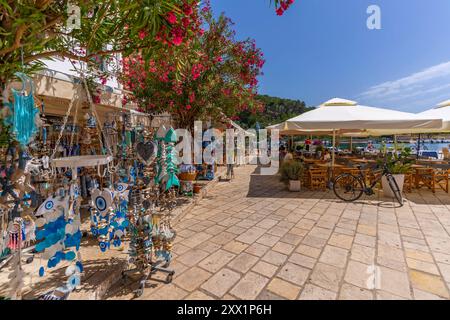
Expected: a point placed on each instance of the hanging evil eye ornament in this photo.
(102, 201)
(109, 221)
(60, 236)
(73, 273)
(122, 191)
(119, 221)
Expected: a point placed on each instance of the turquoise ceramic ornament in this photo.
(25, 112)
(171, 136)
(161, 133)
(171, 179)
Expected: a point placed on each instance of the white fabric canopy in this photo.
(287, 129)
(441, 111)
(345, 114)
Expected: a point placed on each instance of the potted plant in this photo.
(187, 173)
(291, 173)
(319, 151)
(398, 165)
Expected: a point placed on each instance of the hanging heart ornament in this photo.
(146, 152)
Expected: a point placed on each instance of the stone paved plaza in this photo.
(252, 239)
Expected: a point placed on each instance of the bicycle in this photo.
(349, 187)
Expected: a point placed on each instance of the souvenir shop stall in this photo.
(113, 168)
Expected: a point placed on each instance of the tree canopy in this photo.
(31, 30)
(38, 29)
(275, 110)
(209, 75)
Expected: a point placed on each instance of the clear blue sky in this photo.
(322, 49)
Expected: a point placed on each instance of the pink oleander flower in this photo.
(142, 34)
(171, 17)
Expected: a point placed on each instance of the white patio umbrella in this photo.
(345, 114)
(341, 114)
(289, 129)
(441, 111)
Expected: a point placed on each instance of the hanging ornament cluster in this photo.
(109, 215)
(4, 250)
(25, 116)
(140, 249)
(166, 159)
(163, 236)
(60, 235)
(171, 179)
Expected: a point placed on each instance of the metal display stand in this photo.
(143, 260)
(144, 282)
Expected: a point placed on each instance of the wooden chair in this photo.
(318, 178)
(306, 179)
(441, 174)
(446, 153)
(409, 180)
(436, 176)
(374, 175)
(424, 178)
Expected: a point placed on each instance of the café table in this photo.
(313, 161)
(359, 160)
(431, 161)
(331, 169)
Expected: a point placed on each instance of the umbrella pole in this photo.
(351, 144)
(418, 146)
(395, 143)
(333, 157)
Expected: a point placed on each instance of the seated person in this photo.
(288, 156)
(327, 155)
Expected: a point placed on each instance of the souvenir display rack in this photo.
(125, 175)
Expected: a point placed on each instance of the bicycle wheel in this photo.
(395, 189)
(348, 188)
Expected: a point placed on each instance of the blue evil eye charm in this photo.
(103, 246)
(121, 187)
(49, 205)
(41, 271)
(148, 243)
(102, 200)
(94, 231)
(79, 265)
(100, 203)
(73, 281)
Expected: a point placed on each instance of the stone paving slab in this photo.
(252, 239)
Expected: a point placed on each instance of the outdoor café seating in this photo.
(318, 178)
(424, 173)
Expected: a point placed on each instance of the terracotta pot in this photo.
(187, 176)
(197, 188)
